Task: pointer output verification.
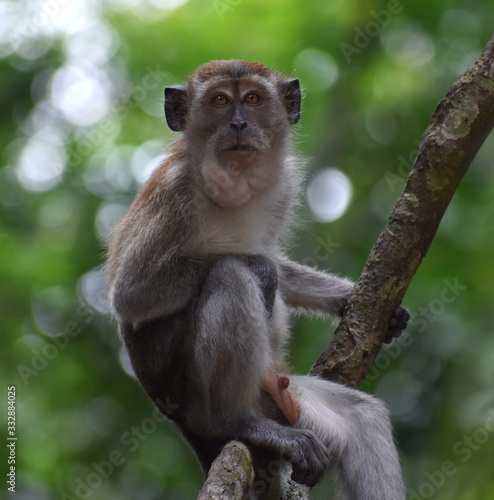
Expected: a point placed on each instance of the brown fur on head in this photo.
(232, 69)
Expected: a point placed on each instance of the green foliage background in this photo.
(81, 87)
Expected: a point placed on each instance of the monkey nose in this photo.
(238, 125)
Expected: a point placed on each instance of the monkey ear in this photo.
(176, 107)
(292, 98)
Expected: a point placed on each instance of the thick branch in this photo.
(231, 475)
(241, 472)
(459, 126)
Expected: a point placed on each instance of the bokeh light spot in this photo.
(316, 69)
(329, 194)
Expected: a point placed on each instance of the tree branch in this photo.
(231, 475)
(459, 126)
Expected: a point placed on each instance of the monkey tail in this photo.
(356, 429)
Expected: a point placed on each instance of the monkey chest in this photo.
(242, 234)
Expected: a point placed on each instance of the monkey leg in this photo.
(276, 386)
(232, 353)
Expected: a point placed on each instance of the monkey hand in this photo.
(397, 323)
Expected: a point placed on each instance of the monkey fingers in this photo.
(397, 324)
(276, 386)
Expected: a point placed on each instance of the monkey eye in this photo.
(220, 100)
(252, 98)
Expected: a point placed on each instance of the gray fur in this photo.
(356, 430)
(201, 290)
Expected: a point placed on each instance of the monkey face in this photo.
(234, 108)
(239, 119)
(240, 115)
(235, 117)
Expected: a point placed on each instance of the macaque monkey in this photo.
(201, 290)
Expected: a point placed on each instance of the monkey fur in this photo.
(201, 290)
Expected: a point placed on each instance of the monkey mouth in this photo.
(241, 147)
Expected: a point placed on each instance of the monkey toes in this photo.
(309, 459)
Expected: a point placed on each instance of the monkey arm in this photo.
(305, 287)
(163, 290)
(151, 271)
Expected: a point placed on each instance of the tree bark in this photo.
(231, 475)
(460, 124)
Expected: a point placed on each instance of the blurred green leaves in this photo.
(81, 128)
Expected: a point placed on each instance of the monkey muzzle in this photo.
(241, 147)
